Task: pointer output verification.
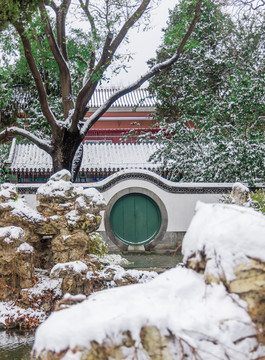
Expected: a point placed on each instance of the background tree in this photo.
(109, 22)
(211, 105)
(12, 10)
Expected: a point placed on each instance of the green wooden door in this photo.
(135, 219)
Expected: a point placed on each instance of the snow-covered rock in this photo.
(240, 194)
(61, 175)
(175, 316)
(8, 191)
(74, 266)
(91, 201)
(226, 244)
(16, 262)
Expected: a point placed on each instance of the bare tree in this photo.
(109, 21)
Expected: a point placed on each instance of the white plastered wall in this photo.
(180, 206)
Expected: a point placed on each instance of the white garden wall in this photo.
(176, 201)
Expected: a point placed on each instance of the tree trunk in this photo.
(65, 146)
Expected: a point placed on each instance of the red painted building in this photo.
(104, 154)
(133, 111)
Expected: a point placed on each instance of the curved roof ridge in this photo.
(140, 97)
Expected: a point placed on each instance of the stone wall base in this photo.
(171, 241)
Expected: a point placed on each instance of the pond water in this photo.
(154, 262)
(17, 345)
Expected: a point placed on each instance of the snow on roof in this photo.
(137, 98)
(118, 156)
(96, 156)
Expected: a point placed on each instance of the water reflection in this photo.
(16, 345)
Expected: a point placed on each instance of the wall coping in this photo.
(151, 177)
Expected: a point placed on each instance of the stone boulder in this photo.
(240, 195)
(73, 275)
(57, 196)
(16, 262)
(95, 273)
(175, 316)
(91, 202)
(7, 192)
(74, 213)
(15, 211)
(225, 243)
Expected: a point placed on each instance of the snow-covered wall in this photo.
(176, 201)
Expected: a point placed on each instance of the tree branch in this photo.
(93, 30)
(37, 78)
(60, 23)
(90, 85)
(52, 4)
(128, 24)
(44, 145)
(90, 17)
(108, 52)
(153, 71)
(65, 78)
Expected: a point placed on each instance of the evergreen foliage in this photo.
(211, 106)
(14, 10)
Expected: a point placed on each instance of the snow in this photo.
(78, 297)
(75, 266)
(140, 275)
(178, 300)
(72, 216)
(21, 209)
(58, 188)
(112, 259)
(90, 196)
(8, 310)
(61, 174)
(7, 189)
(45, 284)
(25, 247)
(227, 235)
(11, 232)
(120, 273)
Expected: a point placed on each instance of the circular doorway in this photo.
(135, 219)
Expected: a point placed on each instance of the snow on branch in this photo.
(45, 145)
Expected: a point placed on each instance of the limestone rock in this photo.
(225, 243)
(175, 316)
(61, 175)
(16, 262)
(73, 246)
(240, 194)
(8, 191)
(59, 231)
(249, 284)
(56, 197)
(73, 275)
(86, 222)
(91, 201)
(17, 212)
